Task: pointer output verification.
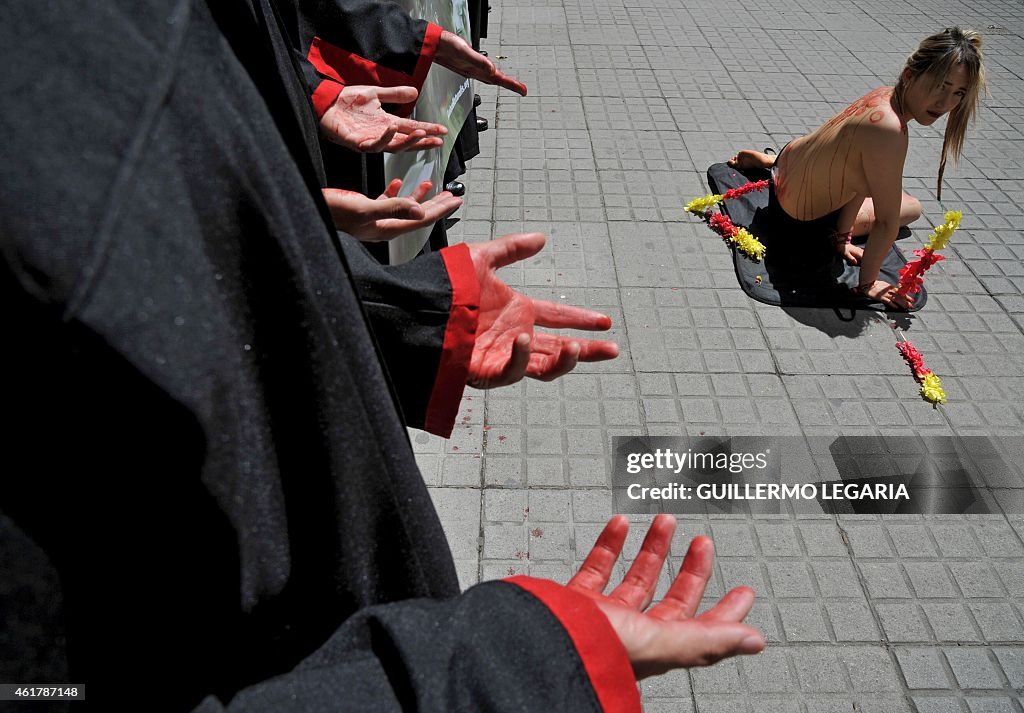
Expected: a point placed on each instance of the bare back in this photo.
(824, 170)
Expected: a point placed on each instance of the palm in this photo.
(388, 216)
(669, 634)
(504, 315)
(357, 120)
(360, 118)
(507, 347)
(692, 641)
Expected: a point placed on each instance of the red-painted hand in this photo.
(456, 54)
(388, 216)
(357, 121)
(507, 348)
(669, 634)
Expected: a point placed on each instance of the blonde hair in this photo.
(935, 57)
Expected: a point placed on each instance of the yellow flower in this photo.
(698, 205)
(931, 389)
(748, 244)
(940, 237)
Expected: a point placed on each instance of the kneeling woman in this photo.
(846, 177)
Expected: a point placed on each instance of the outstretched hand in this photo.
(357, 121)
(669, 634)
(456, 54)
(388, 216)
(507, 348)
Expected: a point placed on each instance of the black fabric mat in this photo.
(795, 274)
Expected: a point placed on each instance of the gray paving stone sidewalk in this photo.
(630, 101)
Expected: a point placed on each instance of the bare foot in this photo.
(850, 252)
(751, 159)
(882, 291)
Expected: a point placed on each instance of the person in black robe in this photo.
(341, 43)
(210, 500)
(370, 42)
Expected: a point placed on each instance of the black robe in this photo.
(343, 42)
(205, 466)
(376, 42)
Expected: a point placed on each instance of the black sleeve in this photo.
(198, 436)
(423, 315)
(453, 655)
(343, 42)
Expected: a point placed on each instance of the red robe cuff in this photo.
(325, 95)
(603, 655)
(459, 338)
(348, 68)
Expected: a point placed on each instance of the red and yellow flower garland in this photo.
(720, 223)
(911, 279)
(931, 385)
(911, 274)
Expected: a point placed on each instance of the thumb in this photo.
(396, 95)
(687, 644)
(346, 207)
(376, 145)
(401, 208)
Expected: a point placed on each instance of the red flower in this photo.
(913, 357)
(744, 189)
(911, 273)
(720, 223)
(927, 257)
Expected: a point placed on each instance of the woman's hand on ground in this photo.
(882, 291)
